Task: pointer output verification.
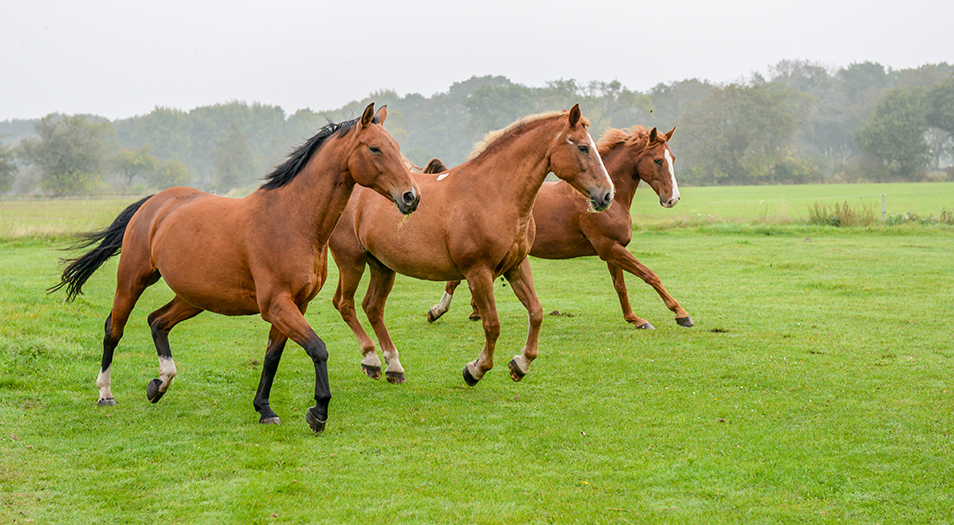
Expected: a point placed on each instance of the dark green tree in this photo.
(232, 160)
(743, 134)
(170, 173)
(8, 169)
(940, 105)
(893, 136)
(67, 152)
(134, 163)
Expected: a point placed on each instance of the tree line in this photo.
(804, 123)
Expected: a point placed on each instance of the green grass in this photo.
(815, 388)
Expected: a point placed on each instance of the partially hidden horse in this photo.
(265, 253)
(475, 224)
(565, 228)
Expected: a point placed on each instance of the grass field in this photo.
(815, 388)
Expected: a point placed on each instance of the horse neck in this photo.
(619, 164)
(514, 171)
(314, 199)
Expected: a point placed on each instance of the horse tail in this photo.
(110, 242)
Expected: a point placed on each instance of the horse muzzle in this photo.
(601, 200)
(669, 202)
(408, 201)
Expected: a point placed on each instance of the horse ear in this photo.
(669, 133)
(652, 135)
(435, 166)
(575, 115)
(368, 115)
(382, 114)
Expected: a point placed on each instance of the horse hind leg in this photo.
(161, 322)
(444, 304)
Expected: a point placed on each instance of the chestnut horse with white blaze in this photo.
(565, 228)
(263, 254)
(475, 224)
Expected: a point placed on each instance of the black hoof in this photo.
(311, 417)
(469, 379)
(474, 316)
(106, 402)
(273, 420)
(685, 322)
(431, 316)
(646, 326)
(515, 373)
(374, 372)
(395, 377)
(152, 391)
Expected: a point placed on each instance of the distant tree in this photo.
(497, 105)
(743, 134)
(170, 173)
(894, 134)
(67, 152)
(8, 169)
(232, 160)
(940, 105)
(134, 163)
(669, 102)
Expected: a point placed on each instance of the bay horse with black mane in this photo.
(263, 254)
(475, 224)
(566, 229)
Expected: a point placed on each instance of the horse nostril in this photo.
(408, 198)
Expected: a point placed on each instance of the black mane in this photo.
(289, 169)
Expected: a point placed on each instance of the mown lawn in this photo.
(815, 387)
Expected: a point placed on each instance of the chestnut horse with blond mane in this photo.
(265, 253)
(475, 224)
(566, 231)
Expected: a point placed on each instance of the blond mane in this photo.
(635, 136)
(491, 136)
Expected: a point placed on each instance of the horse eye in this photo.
(375, 149)
(658, 162)
(583, 149)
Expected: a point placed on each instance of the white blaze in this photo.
(672, 175)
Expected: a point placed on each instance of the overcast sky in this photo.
(120, 59)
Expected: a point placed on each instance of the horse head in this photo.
(376, 162)
(575, 158)
(655, 165)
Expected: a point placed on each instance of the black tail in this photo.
(81, 268)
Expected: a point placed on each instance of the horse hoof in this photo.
(374, 372)
(646, 326)
(106, 402)
(274, 420)
(469, 379)
(515, 373)
(432, 316)
(318, 425)
(152, 391)
(474, 316)
(685, 321)
(395, 377)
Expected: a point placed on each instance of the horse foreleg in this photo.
(521, 281)
(129, 287)
(282, 313)
(382, 281)
(273, 354)
(161, 322)
(443, 305)
(620, 257)
(349, 276)
(482, 290)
